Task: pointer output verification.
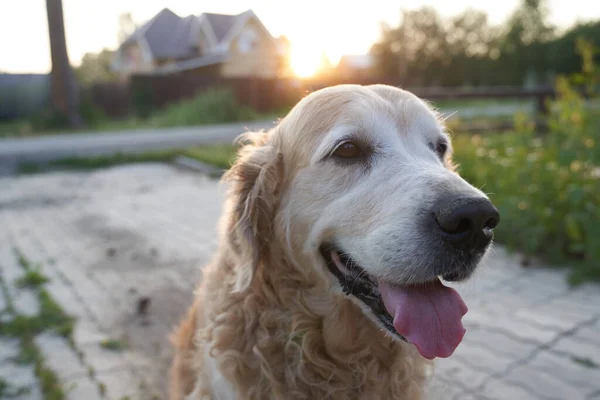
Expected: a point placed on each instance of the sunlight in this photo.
(305, 61)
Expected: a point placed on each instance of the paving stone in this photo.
(566, 307)
(482, 358)
(65, 296)
(103, 360)
(565, 368)
(500, 342)
(9, 348)
(119, 384)
(32, 393)
(513, 312)
(6, 317)
(578, 348)
(545, 385)
(452, 370)
(438, 389)
(82, 389)
(19, 376)
(59, 356)
(3, 302)
(499, 390)
(588, 333)
(555, 321)
(507, 323)
(86, 332)
(26, 303)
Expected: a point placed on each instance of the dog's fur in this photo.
(269, 321)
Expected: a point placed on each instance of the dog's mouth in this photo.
(425, 314)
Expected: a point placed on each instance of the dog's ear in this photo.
(255, 180)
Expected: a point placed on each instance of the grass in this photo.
(114, 344)
(8, 391)
(50, 318)
(546, 187)
(220, 156)
(215, 106)
(33, 278)
(51, 386)
(481, 103)
(10, 307)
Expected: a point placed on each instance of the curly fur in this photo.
(266, 323)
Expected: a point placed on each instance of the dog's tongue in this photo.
(429, 316)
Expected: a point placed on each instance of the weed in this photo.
(113, 344)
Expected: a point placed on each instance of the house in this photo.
(210, 44)
(355, 66)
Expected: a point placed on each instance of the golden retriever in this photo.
(338, 225)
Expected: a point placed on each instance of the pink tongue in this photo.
(429, 316)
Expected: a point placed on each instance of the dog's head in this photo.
(357, 183)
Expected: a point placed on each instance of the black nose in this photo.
(467, 223)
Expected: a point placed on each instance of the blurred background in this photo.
(99, 97)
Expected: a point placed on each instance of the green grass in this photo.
(114, 344)
(481, 103)
(10, 308)
(8, 391)
(545, 186)
(216, 106)
(51, 386)
(33, 278)
(51, 317)
(220, 156)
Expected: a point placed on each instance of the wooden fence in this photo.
(143, 95)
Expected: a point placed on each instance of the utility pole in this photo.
(63, 86)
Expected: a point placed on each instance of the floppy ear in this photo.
(255, 178)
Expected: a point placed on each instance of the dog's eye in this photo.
(440, 148)
(347, 150)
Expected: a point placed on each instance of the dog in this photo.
(338, 224)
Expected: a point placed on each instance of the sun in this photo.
(305, 61)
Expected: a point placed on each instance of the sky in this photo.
(313, 26)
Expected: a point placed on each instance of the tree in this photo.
(126, 27)
(465, 50)
(65, 96)
(562, 51)
(523, 49)
(416, 51)
(95, 67)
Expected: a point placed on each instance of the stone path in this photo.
(122, 247)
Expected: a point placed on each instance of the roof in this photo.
(171, 36)
(221, 24)
(181, 44)
(154, 30)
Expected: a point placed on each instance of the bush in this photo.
(546, 187)
(209, 107)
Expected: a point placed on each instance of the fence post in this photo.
(541, 112)
(541, 104)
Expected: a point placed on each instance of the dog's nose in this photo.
(467, 223)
